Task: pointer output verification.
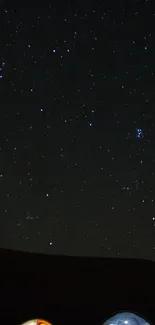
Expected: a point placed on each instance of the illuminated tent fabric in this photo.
(37, 322)
(126, 318)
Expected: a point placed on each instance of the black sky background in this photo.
(77, 83)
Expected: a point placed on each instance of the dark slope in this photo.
(73, 289)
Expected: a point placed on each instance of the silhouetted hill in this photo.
(73, 289)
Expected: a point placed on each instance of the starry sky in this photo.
(77, 127)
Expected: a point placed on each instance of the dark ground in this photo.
(67, 290)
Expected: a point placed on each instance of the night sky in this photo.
(77, 127)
